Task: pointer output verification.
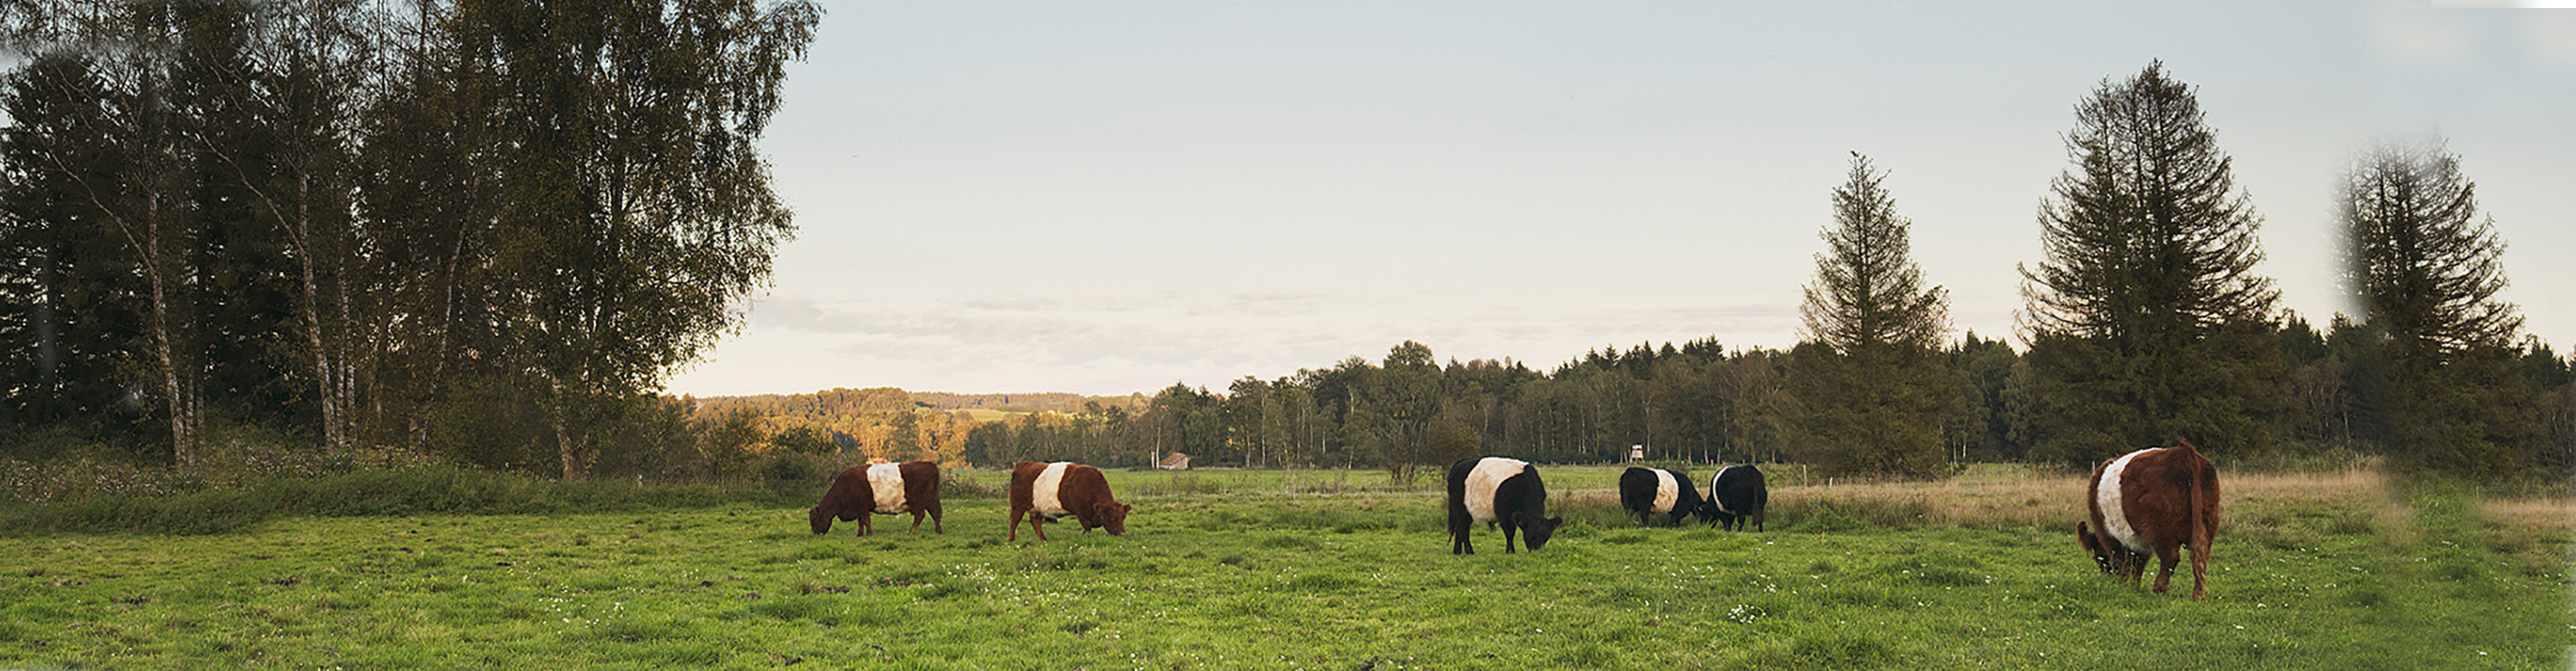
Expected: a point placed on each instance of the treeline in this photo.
(1038, 402)
(1703, 402)
(480, 228)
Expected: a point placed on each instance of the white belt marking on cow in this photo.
(1042, 493)
(1666, 490)
(1481, 483)
(2115, 520)
(887, 480)
(1712, 491)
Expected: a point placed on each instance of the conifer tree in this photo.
(2438, 382)
(2147, 322)
(1873, 390)
(1868, 291)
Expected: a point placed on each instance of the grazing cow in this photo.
(1647, 492)
(1736, 495)
(1047, 492)
(2156, 500)
(1498, 492)
(884, 489)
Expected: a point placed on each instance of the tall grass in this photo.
(390, 492)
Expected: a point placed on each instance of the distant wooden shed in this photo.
(1174, 462)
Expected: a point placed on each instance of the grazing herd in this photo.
(1736, 496)
(2154, 501)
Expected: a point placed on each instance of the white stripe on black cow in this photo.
(1499, 492)
(1736, 495)
(1647, 492)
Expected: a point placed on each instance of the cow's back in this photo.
(1484, 480)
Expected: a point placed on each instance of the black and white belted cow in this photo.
(1647, 492)
(1736, 495)
(1500, 492)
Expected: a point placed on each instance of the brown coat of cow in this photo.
(2169, 497)
(1082, 492)
(852, 498)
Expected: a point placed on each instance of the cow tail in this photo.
(2204, 505)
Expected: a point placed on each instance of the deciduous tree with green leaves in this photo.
(635, 207)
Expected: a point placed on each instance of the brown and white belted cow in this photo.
(1049, 491)
(883, 489)
(2156, 500)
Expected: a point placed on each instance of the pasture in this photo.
(1324, 570)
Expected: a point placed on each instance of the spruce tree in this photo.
(2426, 267)
(2147, 322)
(1869, 292)
(1867, 375)
(2438, 383)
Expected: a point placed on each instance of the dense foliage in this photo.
(486, 229)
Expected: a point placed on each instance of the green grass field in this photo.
(1245, 570)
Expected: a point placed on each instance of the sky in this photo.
(1112, 197)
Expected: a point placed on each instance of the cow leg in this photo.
(2199, 573)
(916, 521)
(1459, 527)
(1034, 525)
(1507, 538)
(934, 521)
(1015, 524)
(2166, 557)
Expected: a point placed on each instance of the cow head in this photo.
(821, 518)
(1113, 516)
(1535, 532)
(2094, 544)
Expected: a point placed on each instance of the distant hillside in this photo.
(893, 423)
(1038, 402)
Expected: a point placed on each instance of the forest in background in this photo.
(486, 232)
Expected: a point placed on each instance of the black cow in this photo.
(1499, 492)
(1647, 492)
(1736, 495)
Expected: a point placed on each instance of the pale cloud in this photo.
(1034, 343)
(2551, 36)
(2420, 37)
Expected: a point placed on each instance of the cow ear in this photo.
(1126, 508)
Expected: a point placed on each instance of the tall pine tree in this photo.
(2147, 322)
(1873, 390)
(2438, 380)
